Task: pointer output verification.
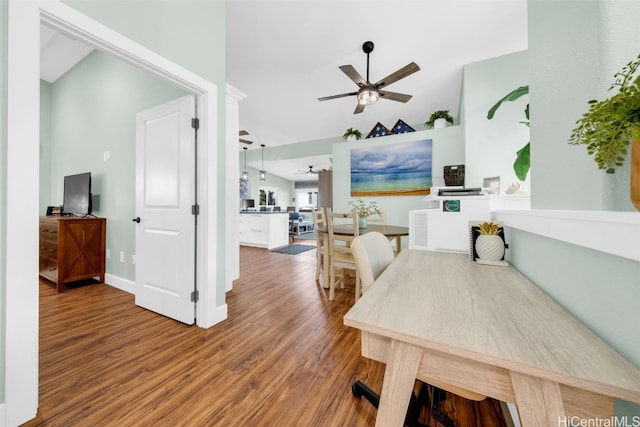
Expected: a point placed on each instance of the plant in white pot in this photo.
(352, 134)
(439, 119)
(489, 244)
(365, 209)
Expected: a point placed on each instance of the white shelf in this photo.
(616, 233)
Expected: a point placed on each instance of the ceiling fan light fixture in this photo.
(367, 96)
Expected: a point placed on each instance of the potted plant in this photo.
(352, 134)
(489, 244)
(611, 125)
(522, 163)
(439, 119)
(364, 209)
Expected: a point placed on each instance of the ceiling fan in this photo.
(369, 93)
(309, 172)
(244, 141)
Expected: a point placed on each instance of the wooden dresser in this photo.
(72, 249)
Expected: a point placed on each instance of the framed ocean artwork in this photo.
(392, 170)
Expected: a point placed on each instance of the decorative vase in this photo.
(362, 222)
(634, 186)
(490, 247)
(439, 123)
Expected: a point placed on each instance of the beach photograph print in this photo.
(392, 170)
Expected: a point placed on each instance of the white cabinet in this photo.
(445, 226)
(446, 229)
(268, 230)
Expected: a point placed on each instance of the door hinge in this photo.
(195, 209)
(195, 123)
(195, 296)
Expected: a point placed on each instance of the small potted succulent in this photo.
(352, 134)
(439, 119)
(489, 244)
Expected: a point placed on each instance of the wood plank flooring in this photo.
(283, 357)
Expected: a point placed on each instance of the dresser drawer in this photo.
(49, 250)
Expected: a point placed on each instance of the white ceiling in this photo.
(285, 54)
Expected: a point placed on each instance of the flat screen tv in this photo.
(77, 195)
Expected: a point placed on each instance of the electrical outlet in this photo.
(108, 254)
(107, 155)
(121, 256)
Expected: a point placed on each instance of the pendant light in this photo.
(245, 175)
(263, 173)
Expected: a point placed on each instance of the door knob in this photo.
(136, 219)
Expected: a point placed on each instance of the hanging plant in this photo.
(607, 128)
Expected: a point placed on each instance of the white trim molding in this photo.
(612, 232)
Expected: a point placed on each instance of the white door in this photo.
(165, 194)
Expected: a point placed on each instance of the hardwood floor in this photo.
(282, 358)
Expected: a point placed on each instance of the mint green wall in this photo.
(284, 186)
(46, 179)
(575, 49)
(491, 145)
(573, 57)
(3, 177)
(191, 34)
(448, 149)
(92, 110)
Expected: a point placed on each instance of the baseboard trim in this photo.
(120, 283)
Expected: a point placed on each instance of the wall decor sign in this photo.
(392, 170)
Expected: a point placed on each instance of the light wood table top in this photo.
(451, 322)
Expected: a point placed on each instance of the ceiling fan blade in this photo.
(359, 108)
(353, 75)
(400, 74)
(243, 133)
(394, 96)
(244, 141)
(342, 95)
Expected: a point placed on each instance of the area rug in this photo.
(294, 249)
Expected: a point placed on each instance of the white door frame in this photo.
(22, 184)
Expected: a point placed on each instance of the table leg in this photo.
(397, 386)
(539, 401)
(398, 244)
(325, 261)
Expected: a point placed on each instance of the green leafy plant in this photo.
(489, 228)
(522, 163)
(365, 209)
(440, 114)
(606, 129)
(352, 131)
